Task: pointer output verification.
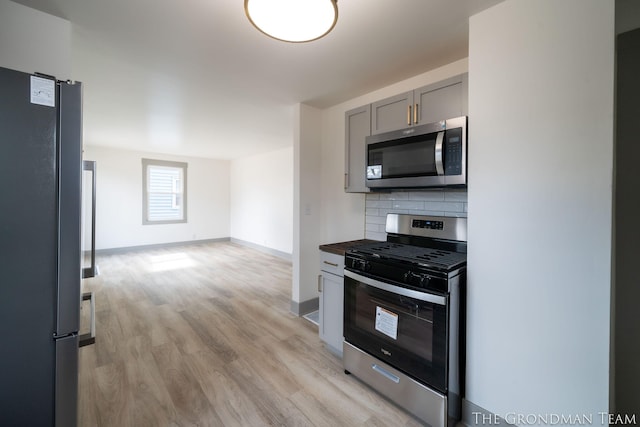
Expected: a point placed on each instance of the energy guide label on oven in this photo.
(387, 322)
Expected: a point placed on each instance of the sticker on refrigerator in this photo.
(387, 322)
(43, 91)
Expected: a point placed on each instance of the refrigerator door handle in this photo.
(89, 338)
(89, 172)
(69, 158)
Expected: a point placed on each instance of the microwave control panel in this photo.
(453, 152)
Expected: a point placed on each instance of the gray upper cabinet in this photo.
(392, 113)
(443, 100)
(357, 128)
(438, 101)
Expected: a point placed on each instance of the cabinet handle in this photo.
(409, 115)
(319, 282)
(415, 114)
(346, 180)
(332, 264)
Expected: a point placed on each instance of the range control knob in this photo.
(363, 265)
(358, 264)
(408, 277)
(414, 279)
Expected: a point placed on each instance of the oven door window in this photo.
(409, 157)
(407, 333)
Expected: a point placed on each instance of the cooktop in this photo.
(432, 257)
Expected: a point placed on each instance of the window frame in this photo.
(145, 194)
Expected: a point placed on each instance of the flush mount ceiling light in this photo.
(293, 21)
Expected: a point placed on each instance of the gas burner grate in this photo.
(386, 247)
(438, 258)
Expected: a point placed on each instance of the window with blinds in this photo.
(164, 192)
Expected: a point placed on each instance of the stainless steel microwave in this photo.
(425, 156)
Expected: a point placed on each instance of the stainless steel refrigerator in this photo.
(40, 255)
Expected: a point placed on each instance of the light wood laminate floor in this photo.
(202, 335)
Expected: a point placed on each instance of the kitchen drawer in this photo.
(332, 263)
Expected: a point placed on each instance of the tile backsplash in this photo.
(378, 205)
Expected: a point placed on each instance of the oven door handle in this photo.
(422, 296)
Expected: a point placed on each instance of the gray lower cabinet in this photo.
(331, 290)
(438, 101)
(357, 128)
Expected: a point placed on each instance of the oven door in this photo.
(403, 327)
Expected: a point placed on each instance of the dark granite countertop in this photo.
(341, 248)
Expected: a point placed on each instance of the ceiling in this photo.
(194, 78)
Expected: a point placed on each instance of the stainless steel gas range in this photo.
(404, 306)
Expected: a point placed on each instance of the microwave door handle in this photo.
(439, 162)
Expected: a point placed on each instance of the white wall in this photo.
(343, 214)
(119, 200)
(33, 41)
(262, 200)
(539, 205)
(306, 203)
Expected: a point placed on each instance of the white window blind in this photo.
(164, 192)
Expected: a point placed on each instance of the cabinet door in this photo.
(331, 310)
(392, 113)
(443, 100)
(357, 128)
